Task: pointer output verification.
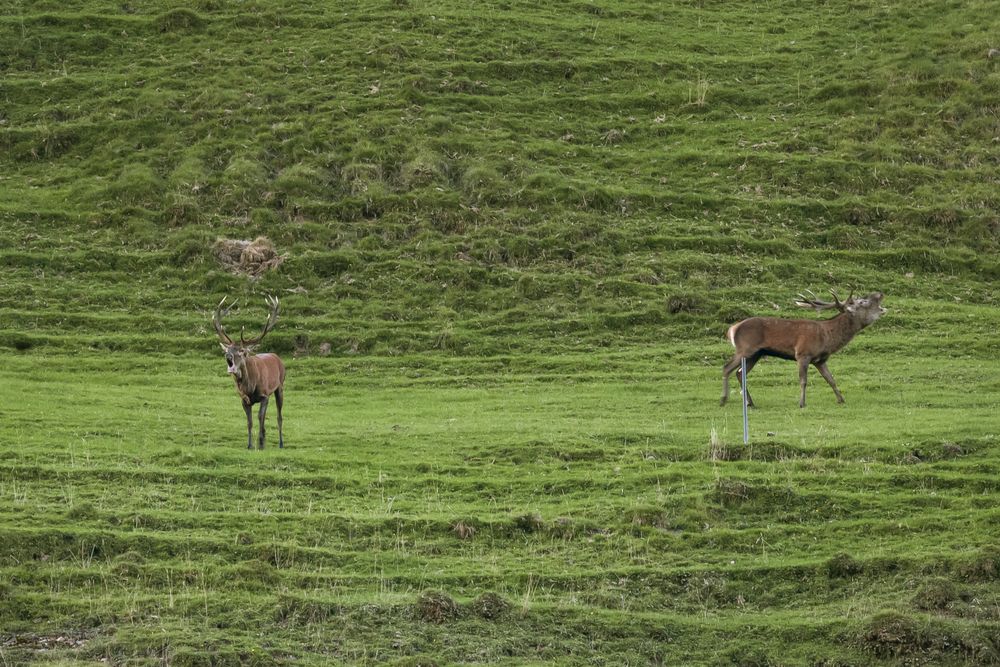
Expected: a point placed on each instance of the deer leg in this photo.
(279, 400)
(751, 362)
(825, 372)
(246, 409)
(733, 364)
(803, 373)
(260, 415)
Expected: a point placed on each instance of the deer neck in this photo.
(247, 381)
(843, 328)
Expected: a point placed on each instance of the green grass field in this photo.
(509, 241)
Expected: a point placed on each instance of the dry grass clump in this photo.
(684, 303)
(843, 565)
(951, 450)
(613, 137)
(982, 566)
(464, 530)
(181, 19)
(251, 258)
(490, 606)
(890, 634)
(529, 523)
(937, 594)
(82, 511)
(655, 517)
(436, 607)
(563, 527)
(719, 451)
(731, 491)
(423, 170)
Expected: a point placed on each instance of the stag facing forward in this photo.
(803, 341)
(257, 376)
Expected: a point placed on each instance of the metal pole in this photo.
(743, 389)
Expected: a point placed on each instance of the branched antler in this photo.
(812, 301)
(217, 322)
(272, 319)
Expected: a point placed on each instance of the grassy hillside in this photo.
(493, 176)
(520, 233)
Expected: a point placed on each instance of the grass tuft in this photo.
(892, 635)
(937, 594)
(843, 565)
(422, 170)
(180, 19)
(529, 523)
(436, 607)
(982, 566)
(137, 185)
(684, 303)
(491, 606)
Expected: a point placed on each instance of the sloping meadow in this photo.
(507, 240)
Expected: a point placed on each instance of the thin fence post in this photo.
(743, 391)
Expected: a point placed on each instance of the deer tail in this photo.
(731, 334)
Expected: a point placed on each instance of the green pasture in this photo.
(581, 508)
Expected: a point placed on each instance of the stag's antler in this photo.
(272, 319)
(217, 323)
(812, 301)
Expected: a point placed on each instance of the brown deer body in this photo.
(257, 376)
(803, 341)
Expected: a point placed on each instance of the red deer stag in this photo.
(257, 376)
(804, 341)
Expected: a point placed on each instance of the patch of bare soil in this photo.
(28, 641)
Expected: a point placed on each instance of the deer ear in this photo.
(223, 346)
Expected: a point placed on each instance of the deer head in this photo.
(237, 353)
(865, 309)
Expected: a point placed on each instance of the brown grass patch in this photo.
(464, 530)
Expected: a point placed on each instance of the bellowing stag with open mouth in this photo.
(257, 376)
